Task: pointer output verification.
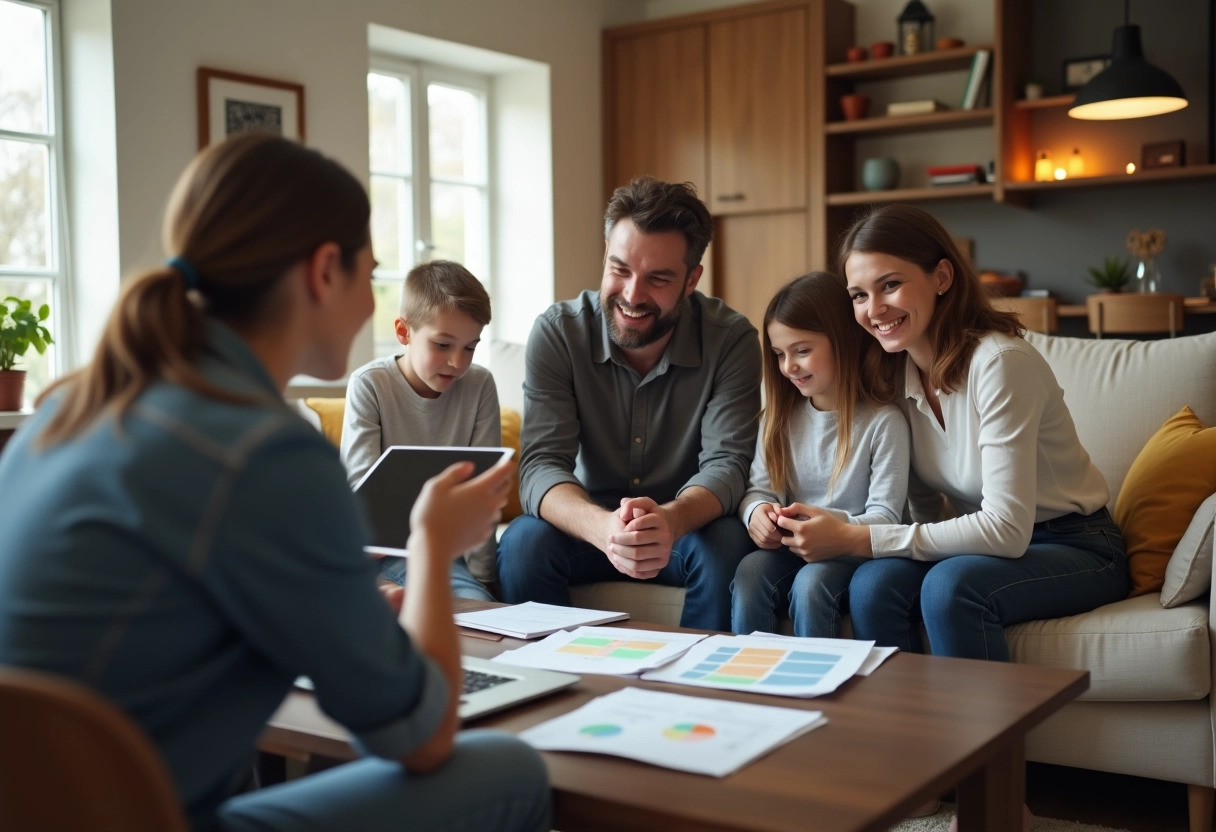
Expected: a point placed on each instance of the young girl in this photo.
(823, 442)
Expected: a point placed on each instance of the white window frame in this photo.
(56, 273)
(418, 75)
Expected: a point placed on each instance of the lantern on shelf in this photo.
(915, 29)
(1076, 163)
(1043, 170)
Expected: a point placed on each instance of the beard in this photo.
(633, 339)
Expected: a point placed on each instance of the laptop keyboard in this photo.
(475, 680)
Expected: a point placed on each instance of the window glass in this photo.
(25, 217)
(23, 75)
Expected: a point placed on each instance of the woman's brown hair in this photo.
(242, 213)
(963, 314)
(815, 302)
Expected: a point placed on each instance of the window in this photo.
(429, 177)
(31, 181)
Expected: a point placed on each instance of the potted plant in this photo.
(1113, 275)
(20, 328)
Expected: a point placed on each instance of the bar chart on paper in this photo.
(617, 648)
(614, 650)
(786, 667)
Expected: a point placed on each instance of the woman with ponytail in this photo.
(178, 540)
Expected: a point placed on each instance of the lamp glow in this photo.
(1131, 167)
(1130, 87)
(1061, 174)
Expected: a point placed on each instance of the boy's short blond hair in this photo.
(440, 286)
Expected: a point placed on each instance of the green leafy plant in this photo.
(21, 328)
(1114, 274)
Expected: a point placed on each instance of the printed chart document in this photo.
(688, 733)
(533, 620)
(615, 651)
(877, 656)
(801, 667)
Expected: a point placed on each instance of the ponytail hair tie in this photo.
(187, 269)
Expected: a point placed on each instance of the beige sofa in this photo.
(1149, 709)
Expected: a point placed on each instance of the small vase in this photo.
(879, 174)
(1148, 279)
(12, 388)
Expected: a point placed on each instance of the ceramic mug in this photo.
(879, 174)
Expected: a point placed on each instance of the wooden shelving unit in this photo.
(946, 120)
(1124, 180)
(1047, 102)
(903, 66)
(942, 193)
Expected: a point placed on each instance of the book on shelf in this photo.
(915, 108)
(955, 179)
(949, 170)
(1036, 293)
(977, 79)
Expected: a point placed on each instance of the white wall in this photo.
(159, 44)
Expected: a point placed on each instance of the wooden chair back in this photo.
(1135, 313)
(1036, 314)
(73, 761)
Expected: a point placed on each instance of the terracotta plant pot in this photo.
(854, 106)
(949, 43)
(856, 53)
(12, 388)
(882, 49)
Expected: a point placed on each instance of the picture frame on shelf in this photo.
(1078, 71)
(232, 102)
(1171, 154)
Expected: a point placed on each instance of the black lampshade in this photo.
(915, 12)
(1130, 87)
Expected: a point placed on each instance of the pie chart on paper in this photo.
(689, 732)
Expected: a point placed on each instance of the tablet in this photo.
(391, 486)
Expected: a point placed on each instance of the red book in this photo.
(944, 170)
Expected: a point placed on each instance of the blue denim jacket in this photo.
(191, 561)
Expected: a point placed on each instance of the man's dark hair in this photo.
(656, 206)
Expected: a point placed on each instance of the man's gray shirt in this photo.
(590, 419)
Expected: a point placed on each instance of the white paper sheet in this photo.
(783, 666)
(533, 620)
(688, 733)
(617, 651)
(877, 656)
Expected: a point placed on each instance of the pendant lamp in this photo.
(1130, 87)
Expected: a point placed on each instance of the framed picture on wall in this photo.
(1078, 71)
(229, 102)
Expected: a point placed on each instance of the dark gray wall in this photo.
(1065, 231)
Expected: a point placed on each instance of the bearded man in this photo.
(640, 418)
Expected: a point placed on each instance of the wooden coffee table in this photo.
(919, 726)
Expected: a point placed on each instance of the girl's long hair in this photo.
(242, 213)
(963, 314)
(815, 302)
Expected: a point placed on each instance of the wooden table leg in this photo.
(990, 798)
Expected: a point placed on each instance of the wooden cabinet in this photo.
(757, 128)
(723, 99)
(655, 109)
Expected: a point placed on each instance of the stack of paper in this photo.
(688, 733)
(784, 666)
(613, 650)
(533, 620)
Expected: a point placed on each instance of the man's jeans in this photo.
(539, 562)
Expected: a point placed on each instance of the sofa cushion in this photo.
(1120, 392)
(330, 412)
(511, 423)
(1133, 649)
(1189, 574)
(1173, 474)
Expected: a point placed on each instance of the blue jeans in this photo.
(539, 562)
(1074, 564)
(491, 781)
(815, 594)
(464, 585)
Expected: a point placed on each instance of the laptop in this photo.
(490, 687)
(391, 486)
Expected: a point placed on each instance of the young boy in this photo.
(432, 394)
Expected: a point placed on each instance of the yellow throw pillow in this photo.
(1171, 477)
(330, 411)
(511, 423)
